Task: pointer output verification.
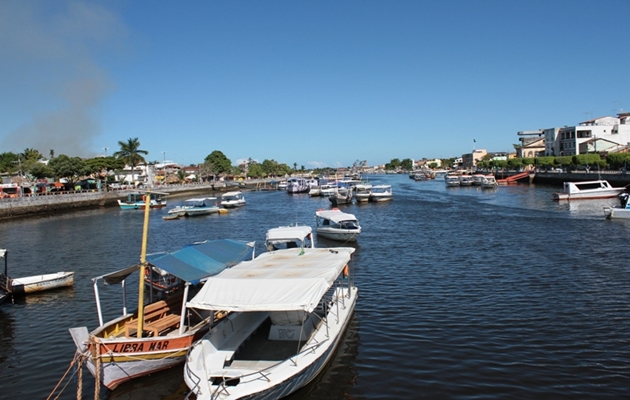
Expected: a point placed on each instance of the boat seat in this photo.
(152, 312)
(162, 324)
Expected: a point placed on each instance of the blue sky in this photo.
(317, 83)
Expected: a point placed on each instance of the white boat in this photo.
(282, 185)
(381, 193)
(489, 182)
(362, 192)
(32, 284)
(232, 200)
(344, 195)
(289, 237)
(288, 311)
(622, 212)
(336, 225)
(451, 180)
(599, 189)
(297, 185)
(195, 207)
(466, 180)
(136, 201)
(159, 334)
(477, 179)
(328, 189)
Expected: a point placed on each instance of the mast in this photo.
(143, 261)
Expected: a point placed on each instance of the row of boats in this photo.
(342, 191)
(457, 180)
(244, 326)
(594, 190)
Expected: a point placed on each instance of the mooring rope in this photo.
(74, 359)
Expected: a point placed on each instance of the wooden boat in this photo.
(288, 311)
(136, 201)
(599, 189)
(35, 283)
(336, 225)
(344, 195)
(158, 335)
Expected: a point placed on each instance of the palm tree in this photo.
(131, 155)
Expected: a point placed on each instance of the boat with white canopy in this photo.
(337, 225)
(289, 237)
(293, 305)
(195, 207)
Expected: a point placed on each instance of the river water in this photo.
(463, 293)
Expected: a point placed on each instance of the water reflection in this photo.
(7, 330)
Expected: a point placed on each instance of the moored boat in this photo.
(195, 207)
(336, 225)
(136, 201)
(32, 284)
(489, 182)
(297, 185)
(288, 311)
(289, 237)
(381, 193)
(159, 334)
(599, 189)
(362, 192)
(233, 200)
(451, 180)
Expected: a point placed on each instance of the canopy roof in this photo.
(200, 260)
(288, 233)
(335, 216)
(284, 280)
(199, 200)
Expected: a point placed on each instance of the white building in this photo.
(602, 133)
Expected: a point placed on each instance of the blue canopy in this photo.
(201, 260)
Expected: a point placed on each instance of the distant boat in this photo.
(489, 182)
(137, 201)
(195, 207)
(381, 193)
(298, 185)
(289, 237)
(599, 189)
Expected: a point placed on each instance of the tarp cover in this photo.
(284, 280)
(288, 233)
(200, 260)
(335, 216)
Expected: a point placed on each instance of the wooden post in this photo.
(143, 261)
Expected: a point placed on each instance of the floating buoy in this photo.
(223, 211)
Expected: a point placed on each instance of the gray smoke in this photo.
(50, 70)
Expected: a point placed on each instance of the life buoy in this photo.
(346, 271)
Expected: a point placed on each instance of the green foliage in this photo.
(8, 162)
(216, 163)
(565, 161)
(544, 161)
(41, 171)
(586, 159)
(130, 153)
(71, 168)
(256, 171)
(616, 160)
(407, 164)
(515, 162)
(499, 164)
(528, 161)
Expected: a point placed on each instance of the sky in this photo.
(312, 83)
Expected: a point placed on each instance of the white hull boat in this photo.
(233, 200)
(622, 212)
(489, 182)
(32, 284)
(381, 193)
(362, 192)
(336, 225)
(599, 189)
(297, 185)
(289, 237)
(293, 332)
(196, 207)
(451, 180)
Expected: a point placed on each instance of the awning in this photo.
(284, 280)
(200, 260)
(119, 276)
(335, 216)
(288, 233)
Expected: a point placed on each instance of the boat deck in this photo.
(259, 347)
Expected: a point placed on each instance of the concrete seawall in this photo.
(46, 204)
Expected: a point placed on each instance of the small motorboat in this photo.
(32, 284)
(336, 225)
(233, 200)
(599, 189)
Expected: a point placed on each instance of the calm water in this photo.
(464, 293)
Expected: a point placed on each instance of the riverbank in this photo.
(47, 204)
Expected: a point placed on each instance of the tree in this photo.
(407, 164)
(131, 154)
(216, 163)
(71, 168)
(41, 171)
(256, 171)
(8, 162)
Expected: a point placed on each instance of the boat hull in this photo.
(294, 373)
(123, 359)
(343, 235)
(616, 213)
(587, 196)
(140, 205)
(39, 283)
